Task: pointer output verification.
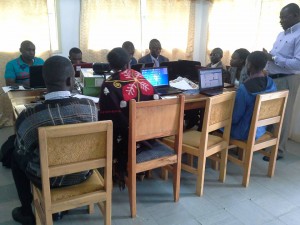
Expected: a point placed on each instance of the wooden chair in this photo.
(218, 113)
(268, 110)
(69, 149)
(149, 120)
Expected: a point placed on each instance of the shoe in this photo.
(23, 218)
(267, 158)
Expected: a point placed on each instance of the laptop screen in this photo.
(210, 78)
(157, 76)
(36, 77)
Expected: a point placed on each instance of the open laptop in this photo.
(139, 66)
(159, 79)
(188, 69)
(36, 79)
(210, 81)
(173, 69)
(78, 66)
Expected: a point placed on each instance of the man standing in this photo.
(58, 108)
(154, 55)
(17, 70)
(283, 60)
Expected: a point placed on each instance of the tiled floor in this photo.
(272, 201)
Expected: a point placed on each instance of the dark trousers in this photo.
(22, 182)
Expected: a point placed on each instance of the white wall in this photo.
(69, 21)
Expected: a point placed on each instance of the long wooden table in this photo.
(21, 97)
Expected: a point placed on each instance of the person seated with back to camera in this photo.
(154, 56)
(58, 74)
(256, 83)
(129, 47)
(238, 71)
(116, 92)
(17, 70)
(75, 55)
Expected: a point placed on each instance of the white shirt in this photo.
(286, 51)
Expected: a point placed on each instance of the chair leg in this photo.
(107, 215)
(176, 180)
(132, 193)
(91, 208)
(272, 161)
(200, 174)
(223, 165)
(247, 167)
(164, 173)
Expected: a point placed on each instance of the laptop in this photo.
(210, 81)
(77, 67)
(188, 69)
(173, 69)
(36, 79)
(159, 79)
(139, 66)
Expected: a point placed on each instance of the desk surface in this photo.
(19, 98)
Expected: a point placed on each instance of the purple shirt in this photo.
(286, 50)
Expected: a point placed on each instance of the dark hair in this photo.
(128, 45)
(118, 58)
(243, 53)
(56, 71)
(258, 60)
(74, 51)
(292, 8)
(219, 50)
(154, 42)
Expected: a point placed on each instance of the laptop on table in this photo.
(36, 79)
(159, 79)
(210, 81)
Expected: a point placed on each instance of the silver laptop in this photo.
(159, 78)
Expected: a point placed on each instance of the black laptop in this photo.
(210, 81)
(139, 66)
(36, 79)
(159, 79)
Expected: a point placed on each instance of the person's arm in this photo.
(239, 105)
(10, 75)
(292, 63)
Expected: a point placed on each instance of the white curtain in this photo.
(20, 20)
(106, 24)
(250, 24)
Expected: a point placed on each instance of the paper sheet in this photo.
(182, 85)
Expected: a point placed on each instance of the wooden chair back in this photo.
(150, 120)
(218, 114)
(268, 110)
(72, 148)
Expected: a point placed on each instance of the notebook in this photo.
(36, 79)
(159, 79)
(210, 81)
